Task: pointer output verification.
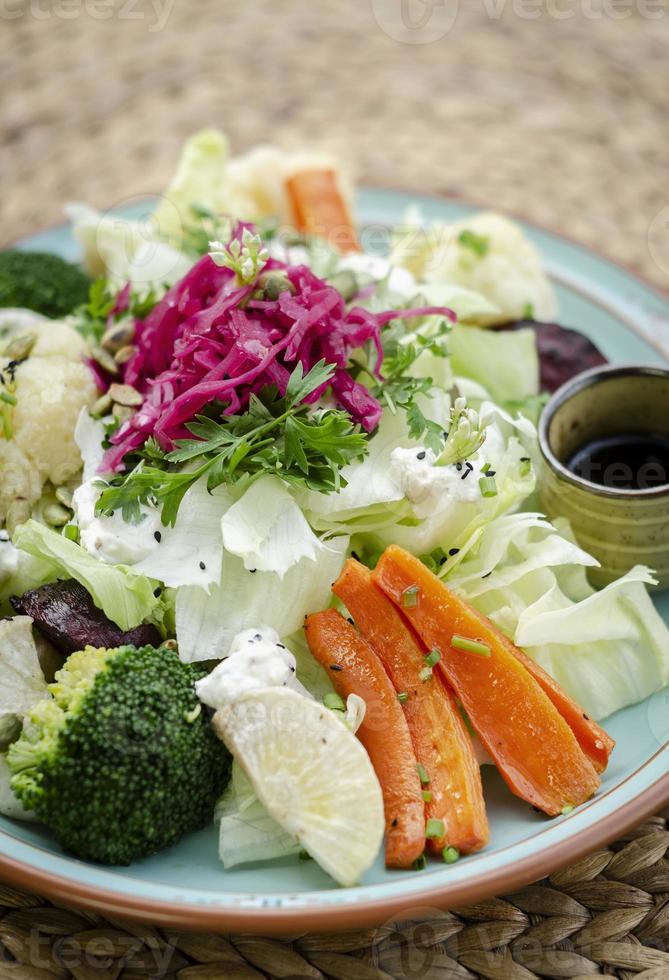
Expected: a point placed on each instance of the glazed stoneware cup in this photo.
(621, 527)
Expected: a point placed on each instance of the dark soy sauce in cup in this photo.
(629, 461)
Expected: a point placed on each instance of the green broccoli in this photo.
(42, 282)
(122, 760)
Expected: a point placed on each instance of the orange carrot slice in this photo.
(533, 746)
(594, 741)
(384, 733)
(319, 208)
(440, 738)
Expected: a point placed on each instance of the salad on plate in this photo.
(270, 552)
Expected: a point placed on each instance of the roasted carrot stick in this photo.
(533, 746)
(319, 208)
(384, 733)
(440, 738)
(594, 741)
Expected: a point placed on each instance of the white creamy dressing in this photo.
(257, 660)
(9, 558)
(111, 539)
(430, 488)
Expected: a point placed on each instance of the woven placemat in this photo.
(557, 110)
(607, 914)
(560, 118)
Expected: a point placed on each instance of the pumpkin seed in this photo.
(105, 360)
(56, 515)
(20, 347)
(125, 395)
(102, 406)
(123, 355)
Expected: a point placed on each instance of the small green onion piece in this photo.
(427, 796)
(402, 697)
(334, 702)
(567, 809)
(485, 467)
(420, 864)
(450, 855)
(433, 658)
(471, 646)
(488, 486)
(410, 597)
(434, 829)
(71, 532)
(422, 774)
(8, 398)
(525, 467)
(425, 674)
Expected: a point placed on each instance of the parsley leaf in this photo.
(279, 435)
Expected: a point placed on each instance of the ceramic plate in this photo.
(187, 886)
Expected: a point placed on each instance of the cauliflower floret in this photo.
(50, 392)
(486, 253)
(51, 386)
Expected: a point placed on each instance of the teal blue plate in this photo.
(187, 887)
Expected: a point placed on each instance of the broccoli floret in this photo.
(42, 282)
(122, 760)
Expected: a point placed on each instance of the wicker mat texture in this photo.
(557, 112)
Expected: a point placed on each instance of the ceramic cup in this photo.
(620, 527)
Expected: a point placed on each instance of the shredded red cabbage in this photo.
(209, 339)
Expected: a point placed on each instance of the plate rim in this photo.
(373, 911)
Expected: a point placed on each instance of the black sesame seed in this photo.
(394, 822)
(454, 551)
(157, 592)
(281, 646)
(158, 536)
(336, 667)
(458, 466)
(258, 637)
(253, 570)
(351, 621)
(491, 473)
(202, 565)
(421, 455)
(442, 560)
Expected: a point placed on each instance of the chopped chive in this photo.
(420, 864)
(71, 532)
(567, 809)
(422, 774)
(450, 855)
(8, 398)
(471, 646)
(434, 829)
(485, 468)
(334, 702)
(410, 597)
(433, 658)
(425, 674)
(427, 796)
(402, 697)
(488, 486)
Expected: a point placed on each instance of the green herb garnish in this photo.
(276, 435)
(479, 244)
(471, 646)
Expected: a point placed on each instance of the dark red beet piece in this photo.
(67, 616)
(563, 353)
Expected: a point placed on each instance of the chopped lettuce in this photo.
(607, 649)
(506, 363)
(125, 597)
(207, 624)
(267, 530)
(22, 682)
(247, 832)
(190, 553)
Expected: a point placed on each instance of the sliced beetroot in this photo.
(563, 353)
(66, 615)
